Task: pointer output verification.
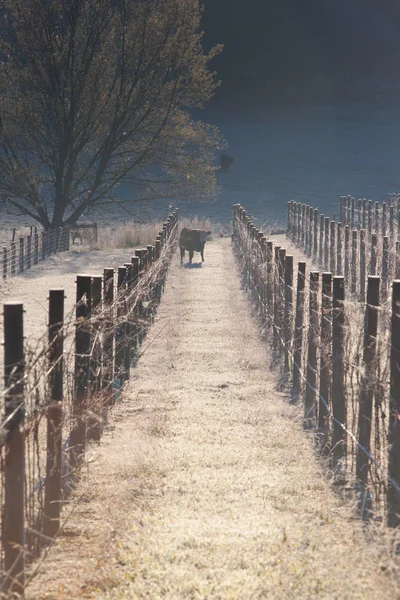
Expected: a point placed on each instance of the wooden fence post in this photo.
(281, 300)
(270, 282)
(393, 496)
(108, 338)
(325, 369)
(52, 502)
(354, 262)
(397, 267)
(368, 379)
(315, 234)
(288, 314)
(332, 265)
(339, 265)
(275, 321)
(82, 365)
(374, 254)
(377, 219)
(384, 219)
(363, 270)
(313, 338)
(120, 335)
(321, 240)
(14, 463)
(95, 419)
(385, 268)
(347, 255)
(369, 221)
(339, 444)
(298, 331)
(327, 242)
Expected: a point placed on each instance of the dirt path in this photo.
(205, 486)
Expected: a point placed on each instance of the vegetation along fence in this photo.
(29, 250)
(339, 356)
(58, 393)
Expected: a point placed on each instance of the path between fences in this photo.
(205, 484)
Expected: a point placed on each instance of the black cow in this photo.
(192, 240)
(226, 162)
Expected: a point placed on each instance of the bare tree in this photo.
(95, 93)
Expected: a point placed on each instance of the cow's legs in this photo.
(202, 253)
(191, 252)
(182, 253)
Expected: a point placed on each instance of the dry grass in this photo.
(135, 235)
(206, 486)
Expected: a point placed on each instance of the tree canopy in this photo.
(95, 93)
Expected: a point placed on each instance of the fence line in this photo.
(29, 250)
(338, 362)
(58, 394)
(364, 242)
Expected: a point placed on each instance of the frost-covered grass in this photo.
(205, 485)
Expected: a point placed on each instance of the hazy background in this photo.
(309, 102)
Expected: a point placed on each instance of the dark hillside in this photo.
(293, 48)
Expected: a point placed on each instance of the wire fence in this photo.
(340, 359)
(58, 393)
(365, 241)
(31, 249)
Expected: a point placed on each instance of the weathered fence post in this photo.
(377, 211)
(315, 235)
(339, 265)
(276, 309)
(397, 268)
(374, 254)
(52, 502)
(354, 262)
(95, 419)
(313, 337)
(108, 338)
(368, 379)
(339, 444)
(384, 219)
(363, 270)
(385, 268)
(347, 254)
(298, 331)
(120, 335)
(14, 463)
(332, 252)
(393, 495)
(369, 222)
(325, 369)
(82, 366)
(321, 240)
(288, 314)
(327, 242)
